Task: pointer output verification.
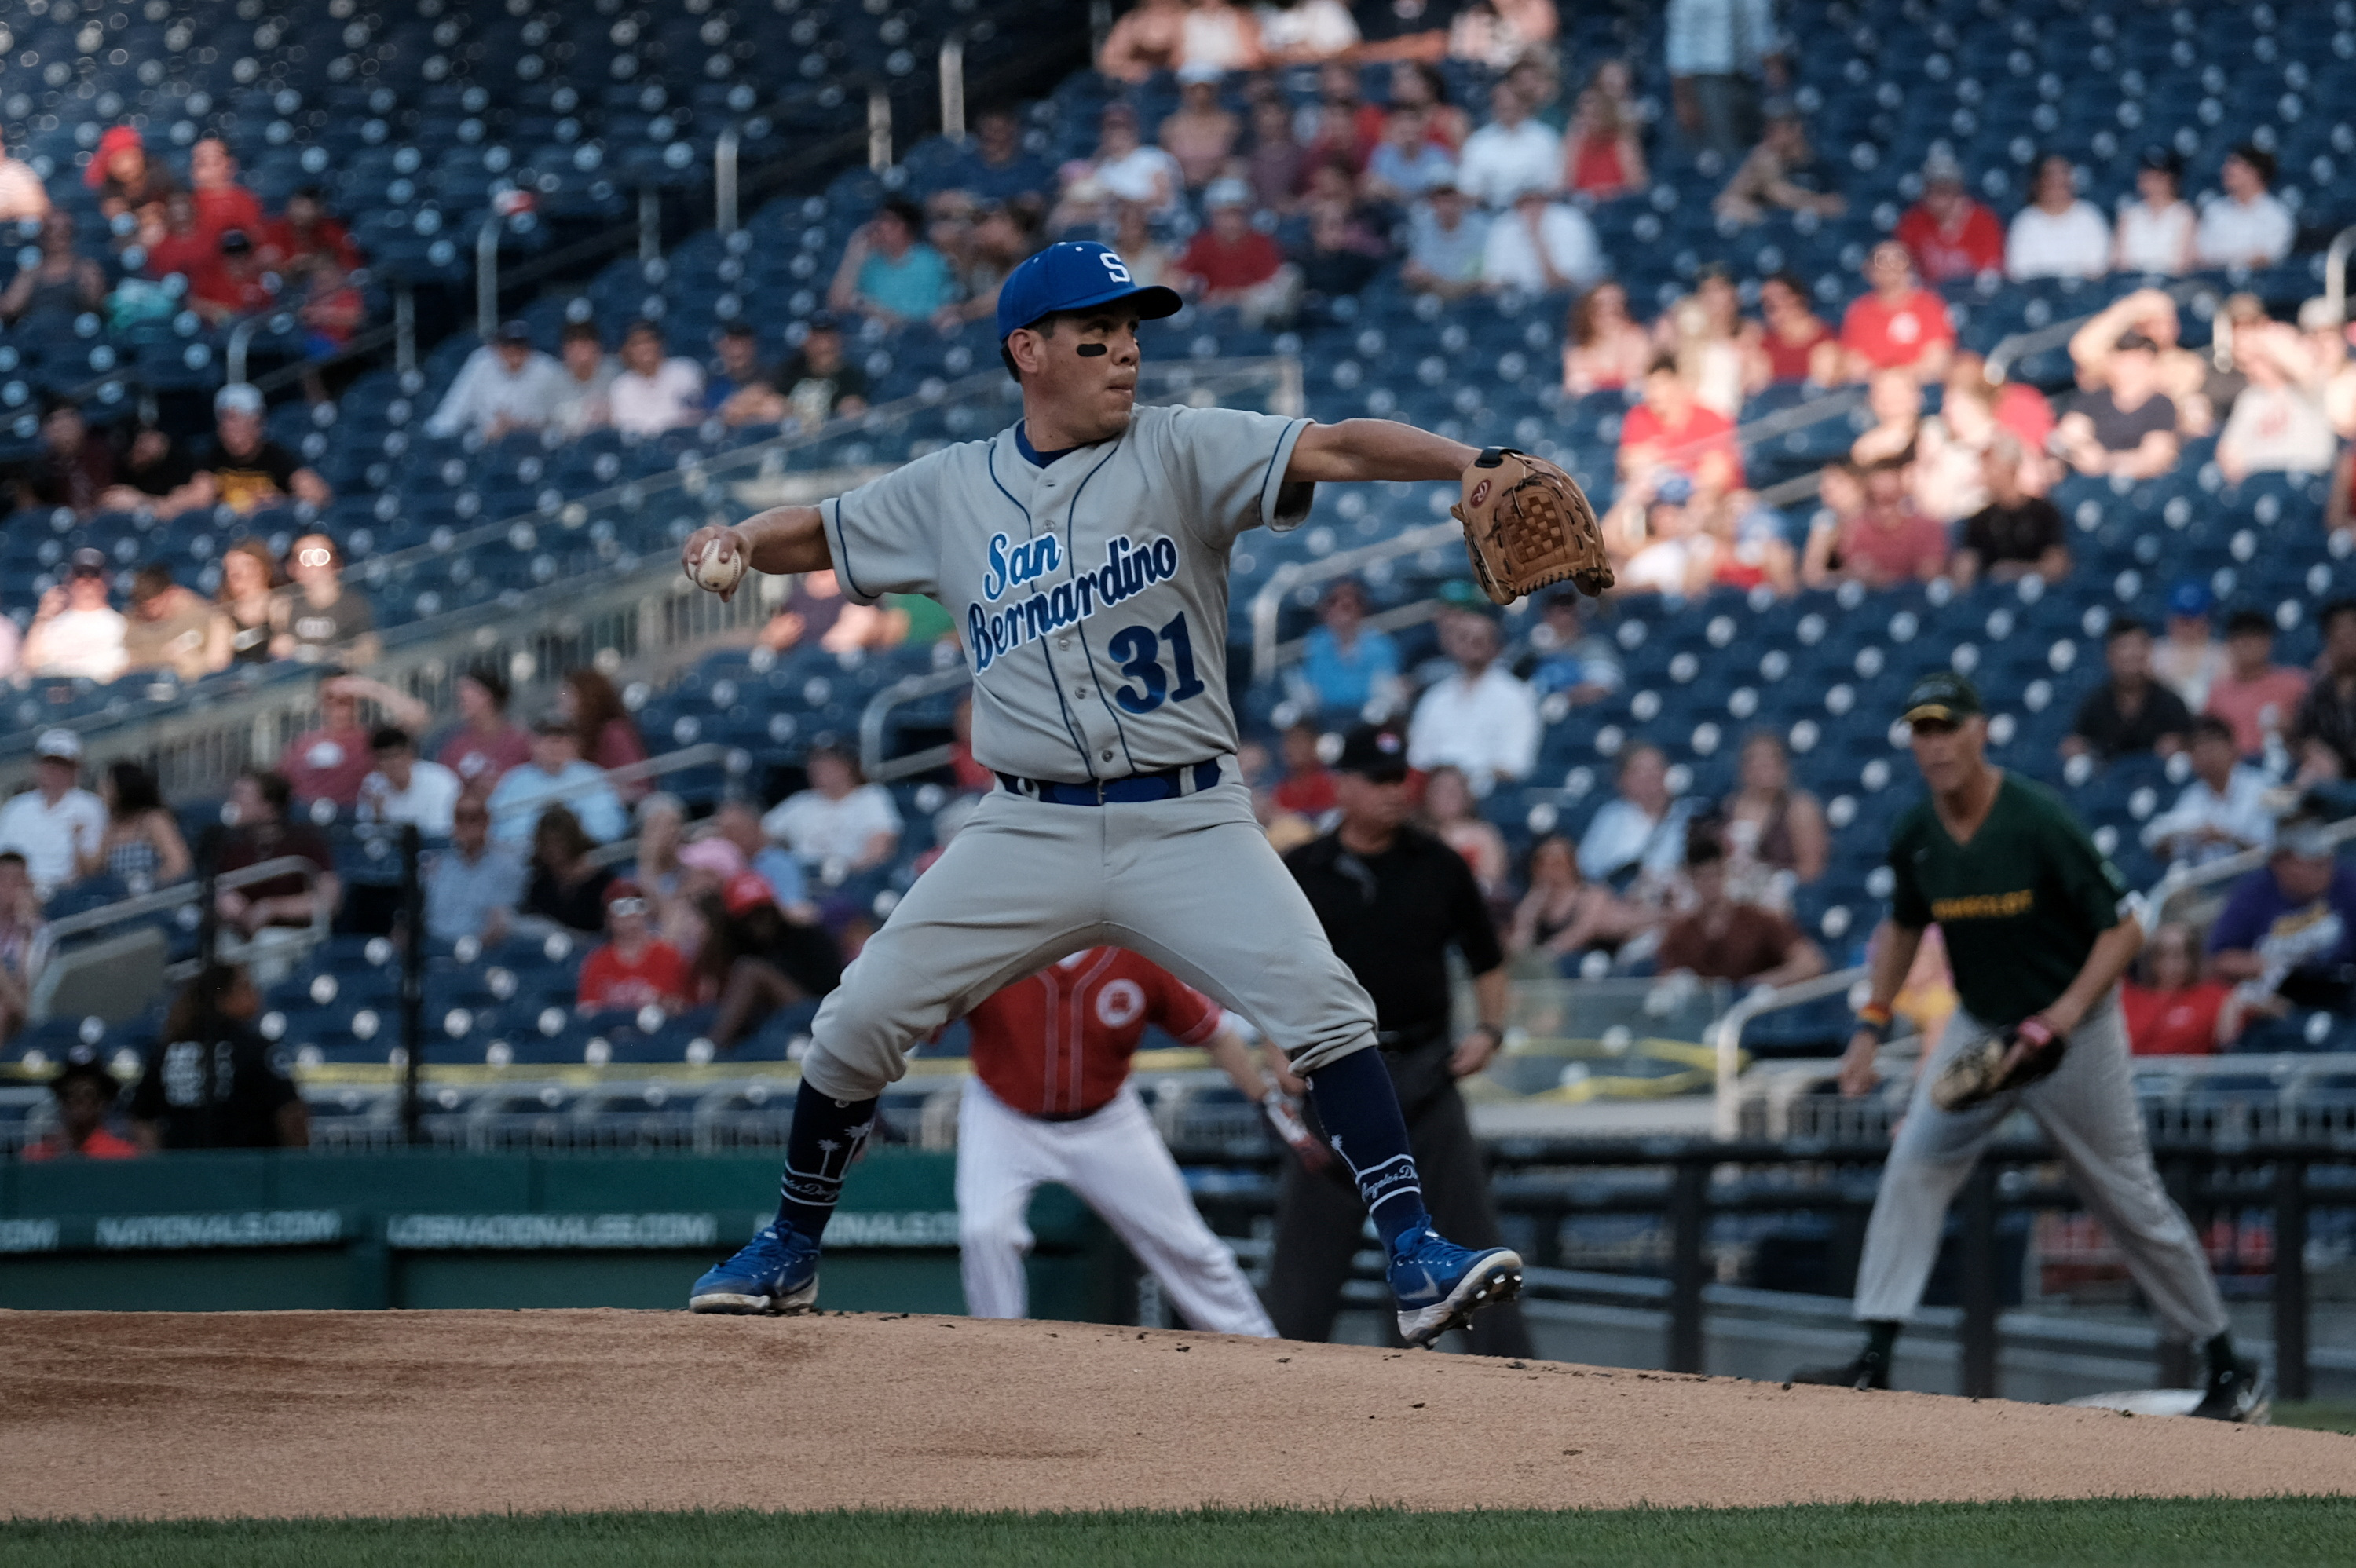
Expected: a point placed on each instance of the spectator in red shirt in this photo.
(1792, 343)
(484, 745)
(1307, 787)
(303, 235)
(1671, 429)
(1229, 262)
(186, 246)
(1950, 235)
(222, 204)
(236, 286)
(85, 1092)
(2256, 696)
(331, 762)
(634, 968)
(1898, 325)
(1885, 542)
(2172, 1010)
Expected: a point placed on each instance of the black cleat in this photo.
(1870, 1370)
(2237, 1392)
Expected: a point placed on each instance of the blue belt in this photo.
(1170, 784)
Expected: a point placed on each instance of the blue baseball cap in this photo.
(2191, 596)
(1074, 275)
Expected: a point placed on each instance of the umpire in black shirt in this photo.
(1394, 900)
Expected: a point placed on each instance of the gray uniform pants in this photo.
(2087, 1108)
(1190, 883)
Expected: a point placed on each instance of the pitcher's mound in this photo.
(408, 1412)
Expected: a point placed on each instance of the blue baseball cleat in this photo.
(1439, 1286)
(776, 1271)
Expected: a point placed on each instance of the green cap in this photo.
(1943, 697)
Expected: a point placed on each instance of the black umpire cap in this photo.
(1375, 752)
(1941, 698)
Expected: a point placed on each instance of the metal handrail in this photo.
(725, 149)
(2151, 909)
(649, 224)
(2335, 272)
(1269, 603)
(871, 720)
(879, 127)
(695, 756)
(171, 898)
(1725, 1034)
(487, 274)
(240, 340)
(2002, 356)
(952, 79)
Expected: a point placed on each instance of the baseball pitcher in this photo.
(1050, 1100)
(2035, 929)
(1083, 554)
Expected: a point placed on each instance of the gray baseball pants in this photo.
(2087, 1108)
(1190, 883)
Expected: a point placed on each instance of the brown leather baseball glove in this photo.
(1526, 524)
(2021, 1054)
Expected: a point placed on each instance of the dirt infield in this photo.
(404, 1413)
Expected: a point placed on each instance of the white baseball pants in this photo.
(1190, 883)
(2087, 1107)
(1115, 1161)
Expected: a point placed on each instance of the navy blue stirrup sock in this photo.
(826, 1136)
(1360, 1108)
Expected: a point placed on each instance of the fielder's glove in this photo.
(1528, 524)
(1282, 1116)
(2022, 1054)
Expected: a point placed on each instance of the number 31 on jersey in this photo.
(1148, 686)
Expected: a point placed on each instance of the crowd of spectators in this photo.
(205, 245)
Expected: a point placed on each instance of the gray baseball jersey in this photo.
(1090, 594)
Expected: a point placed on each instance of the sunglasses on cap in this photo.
(627, 906)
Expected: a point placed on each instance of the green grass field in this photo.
(2128, 1533)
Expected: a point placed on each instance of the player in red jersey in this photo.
(1050, 1100)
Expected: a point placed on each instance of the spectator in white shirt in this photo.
(405, 789)
(2278, 425)
(2245, 226)
(22, 195)
(2223, 811)
(504, 385)
(1447, 239)
(653, 393)
(1480, 720)
(76, 633)
(2058, 235)
(1510, 154)
(1540, 247)
(582, 402)
(57, 823)
(2155, 233)
(840, 823)
(1641, 829)
(555, 776)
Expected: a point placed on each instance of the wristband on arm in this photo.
(1874, 1021)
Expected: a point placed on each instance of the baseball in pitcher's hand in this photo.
(1857, 1073)
(703, 540)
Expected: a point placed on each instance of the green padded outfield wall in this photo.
(267, 1230)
